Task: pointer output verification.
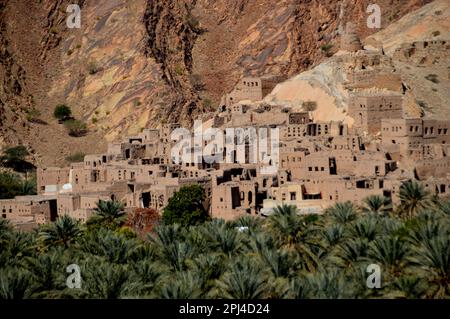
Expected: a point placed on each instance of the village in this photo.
(317, 163)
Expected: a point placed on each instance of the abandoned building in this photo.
(317, 163)
(368, 107)
(251, 88)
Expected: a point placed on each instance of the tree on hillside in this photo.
(62, 112)
(14, 157)
(76, 128)
(185, 207)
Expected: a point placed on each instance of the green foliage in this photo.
(15, 153)
(62, 112)
(14, 284)
(186, 207)
(64, 231)
(244, 280)
(207, 103)
(377, 204)
(12, 185)
(284, 256)
(326, 49)
(342, 213)
(92, 68)
(414, 198)
(179, 70)
(103, 280)
(107, 214)
(29, 187)
(14, 157)
(75, 158)
(76, 128)
(33, 116)
(137, 103)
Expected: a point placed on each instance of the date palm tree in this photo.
(413, 198)
(277, 261)
(391, 226)
(350, 252)
(28, 188)
(208, 268)
(64, 231)
(425, 227)
(295, 233)
(444, 206)
(434, 258)
(377, 204)
(6, 231)
(285, 209)
(166, 235)
(222, 238)
(196, 238)
(145, 277)
(115, 248)
(389, 251)
(342, 213)
(109, 214)
(332, 235)
(285, 224)
(245, 279)
(177, 255)
(101, 279)
(14, 283)
(365, 227)
(328, 284)
(254, 224)
(412, 287)
(48, 271)
(18, 246)
(184, 285)
(300, 288)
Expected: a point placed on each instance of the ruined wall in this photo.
(367, 111)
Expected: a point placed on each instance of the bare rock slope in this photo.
(140, 63)
(415, 50)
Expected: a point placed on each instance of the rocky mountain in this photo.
(140, 63)
(413, 59)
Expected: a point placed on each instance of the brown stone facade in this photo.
(318, 163)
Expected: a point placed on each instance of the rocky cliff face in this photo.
(415, 62)
(172, 31)
(140, 63)
(12, 82)
(257, 37)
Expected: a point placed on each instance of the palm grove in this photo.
(286, 255)
(17, 175)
